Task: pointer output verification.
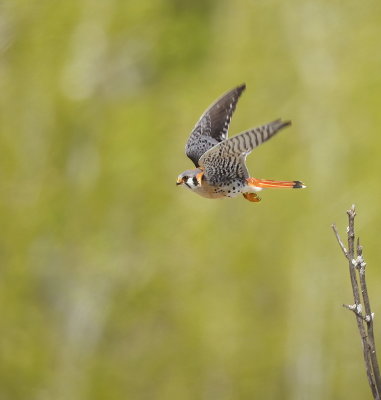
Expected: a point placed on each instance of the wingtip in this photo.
(284, 123)
(279, 124)
(241, 87)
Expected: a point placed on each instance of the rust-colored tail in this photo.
(267, 183)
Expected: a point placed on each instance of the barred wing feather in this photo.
(226, 160)
(212, 128)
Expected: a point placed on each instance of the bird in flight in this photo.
(221, 162)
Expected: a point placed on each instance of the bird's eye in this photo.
(185, 178)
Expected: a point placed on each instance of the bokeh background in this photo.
(115, 283)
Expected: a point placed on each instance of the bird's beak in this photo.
(179, 181)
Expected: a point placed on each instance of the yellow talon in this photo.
(253, 197)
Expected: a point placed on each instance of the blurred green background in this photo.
(115, 283)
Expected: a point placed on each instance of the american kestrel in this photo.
(221, 162)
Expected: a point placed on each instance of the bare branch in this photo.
(364, 321)
(369, 316)
(339, 240)
(357, 309)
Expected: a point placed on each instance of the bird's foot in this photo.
(253, 197)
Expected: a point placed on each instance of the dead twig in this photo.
(360, 295)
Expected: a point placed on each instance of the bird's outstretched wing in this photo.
(226, 160)
(213, 125)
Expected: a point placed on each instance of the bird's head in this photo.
(191, 178)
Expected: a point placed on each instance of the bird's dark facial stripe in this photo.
(187, 184)
(195, 181)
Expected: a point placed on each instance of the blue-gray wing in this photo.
(212, 128)
(226, 160)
